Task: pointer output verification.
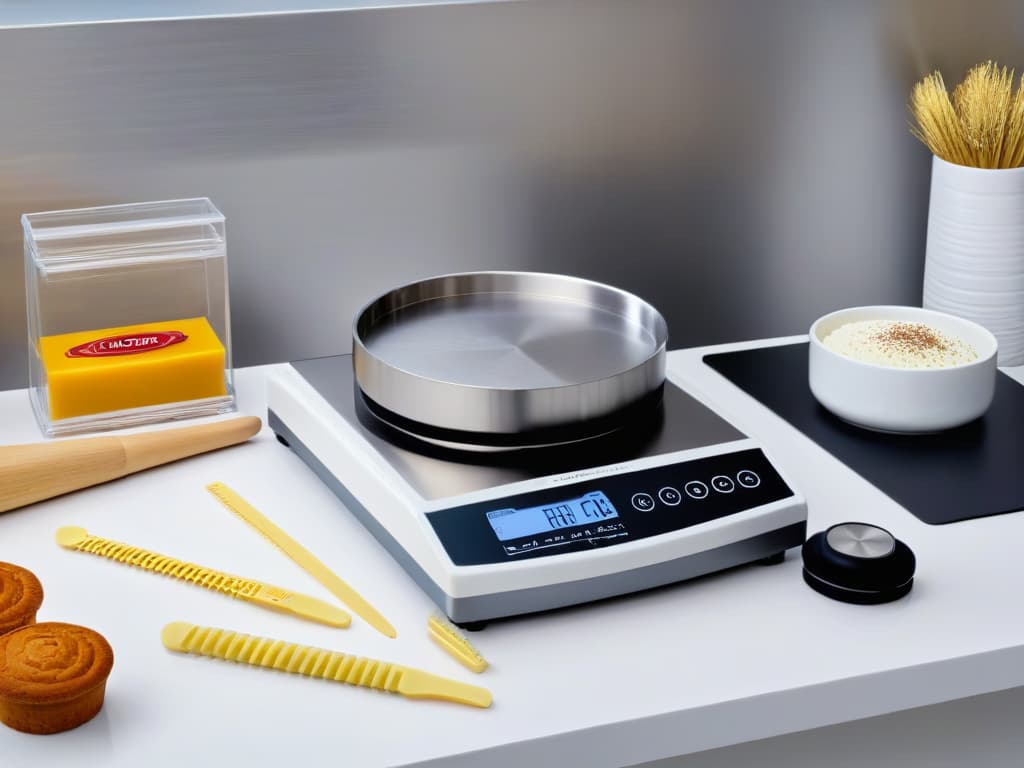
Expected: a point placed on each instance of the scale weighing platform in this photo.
(667, 498)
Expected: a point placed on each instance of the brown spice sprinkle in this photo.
(910, 337)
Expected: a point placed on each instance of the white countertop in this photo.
(741, 655)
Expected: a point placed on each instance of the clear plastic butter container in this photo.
(128, 318)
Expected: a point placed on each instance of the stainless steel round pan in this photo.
(503, 354)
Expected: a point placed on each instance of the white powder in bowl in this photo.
(899, 344)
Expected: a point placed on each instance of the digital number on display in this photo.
(508, 524)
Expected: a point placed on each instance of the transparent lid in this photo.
(124, 234)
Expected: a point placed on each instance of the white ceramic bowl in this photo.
(903, 399)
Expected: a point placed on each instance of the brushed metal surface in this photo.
(745, 166)
(683, 423)
(860, 540)
(507, 352)
(47, 12)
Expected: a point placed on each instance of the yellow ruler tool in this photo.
(302, 556)
(250, 590)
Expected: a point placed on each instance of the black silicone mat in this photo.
(973, 471)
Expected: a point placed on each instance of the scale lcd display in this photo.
(591, 508)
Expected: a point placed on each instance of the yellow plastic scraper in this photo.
(454, 643)
(302, 556)
(317, 662)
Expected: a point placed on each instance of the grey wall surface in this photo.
(745, 165)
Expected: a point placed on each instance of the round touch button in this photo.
(670, 496)
(695, 489)
(643, 501)
(723, 484)
(748, 479)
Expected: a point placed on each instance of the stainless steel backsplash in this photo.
(744, 165)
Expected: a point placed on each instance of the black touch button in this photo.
(643, 502)
(723, 484)
(748, 479)
(670, 496)
(695, 489)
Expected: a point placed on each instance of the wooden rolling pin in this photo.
(31, 473)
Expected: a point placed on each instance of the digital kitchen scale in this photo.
(675, 493)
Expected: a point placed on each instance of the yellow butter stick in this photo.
(132, 366)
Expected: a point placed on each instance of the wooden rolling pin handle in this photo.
(31, 473)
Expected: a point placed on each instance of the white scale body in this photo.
(489, 540)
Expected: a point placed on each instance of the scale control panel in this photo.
(608, 510)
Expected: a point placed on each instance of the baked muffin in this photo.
(21, 594)
(52, 676)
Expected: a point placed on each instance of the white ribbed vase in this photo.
(974, 261)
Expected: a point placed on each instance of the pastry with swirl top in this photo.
(52, 676)
(21, 594)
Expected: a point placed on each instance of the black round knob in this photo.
(858, 563)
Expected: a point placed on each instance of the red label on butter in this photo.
(127, 344)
